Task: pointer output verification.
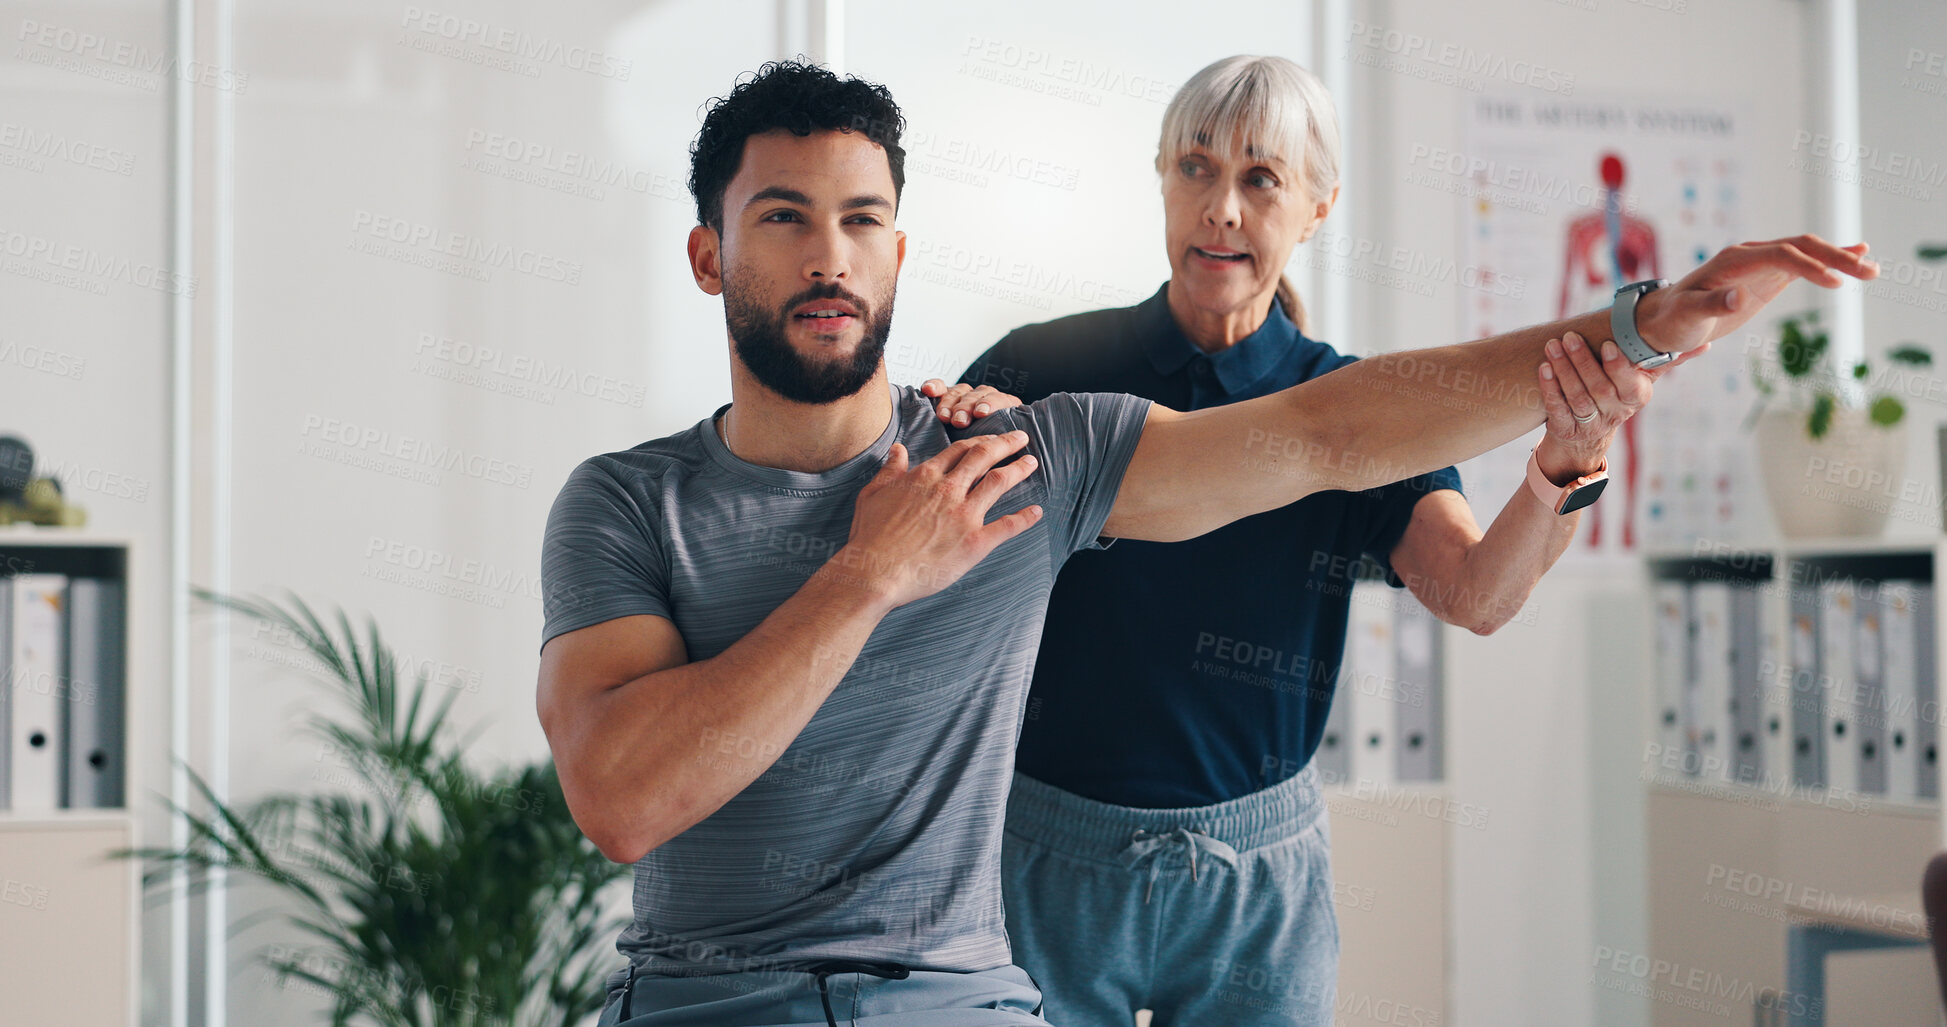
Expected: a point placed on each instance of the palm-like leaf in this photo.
(433, 895)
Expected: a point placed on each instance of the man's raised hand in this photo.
(1730, 288)
(916, 530)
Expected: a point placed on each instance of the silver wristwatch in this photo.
(1622, 325)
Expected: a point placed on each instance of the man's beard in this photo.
(759, 335)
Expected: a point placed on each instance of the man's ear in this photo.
(706, 259)
(899, 264)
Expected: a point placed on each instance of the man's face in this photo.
(807, 262)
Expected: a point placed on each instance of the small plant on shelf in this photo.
(1811, 383)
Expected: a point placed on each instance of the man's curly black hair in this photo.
(794, 95)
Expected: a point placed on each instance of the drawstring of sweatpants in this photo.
(1147, 845)
(890, 971)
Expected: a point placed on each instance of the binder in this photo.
(1838, 626)
(1928, 731)
(1869, 692)
(1807, 698)
(37, 686)
(1373, 683)
(94, 759)
(1775, 687)
(1672, 599)
(1900, 680)
(1417, 653)
(1747, 740)
(1345, 709)
(1710, 733)
(6, 690)
(1333, 757)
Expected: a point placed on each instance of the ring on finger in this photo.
(1579, 419)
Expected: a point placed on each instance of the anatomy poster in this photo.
(1577, 196)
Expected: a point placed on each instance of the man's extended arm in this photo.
(1393, 416)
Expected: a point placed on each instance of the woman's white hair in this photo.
(1277, 110)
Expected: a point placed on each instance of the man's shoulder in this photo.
(643, 464)
(1062, 416)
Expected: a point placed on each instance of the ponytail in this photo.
(1293, 307)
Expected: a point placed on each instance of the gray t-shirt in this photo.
(877, 833)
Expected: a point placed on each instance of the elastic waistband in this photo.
(1063, 820)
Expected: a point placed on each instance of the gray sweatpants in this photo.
(1206, 915)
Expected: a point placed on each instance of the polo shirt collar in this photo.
(1236, 367)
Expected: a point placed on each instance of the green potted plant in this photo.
(429, 892)
(1832, 452)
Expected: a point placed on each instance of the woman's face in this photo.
(1231, 224)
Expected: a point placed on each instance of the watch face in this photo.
(1583, 496)
(1658, 360)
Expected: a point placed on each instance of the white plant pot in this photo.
(1840, 486)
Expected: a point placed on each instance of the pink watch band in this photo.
(1552, 495)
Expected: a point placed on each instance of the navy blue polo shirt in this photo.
(1189, 673)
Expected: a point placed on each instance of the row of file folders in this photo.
(62, 648)
(1388, 709)
(1827, 684)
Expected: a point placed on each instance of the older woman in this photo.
(1165, 835)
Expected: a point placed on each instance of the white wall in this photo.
(1903, 191)
(343, 121)
(84, 368)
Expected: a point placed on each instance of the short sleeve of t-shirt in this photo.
(1390, 510)
(1083, 441)
(600, 558)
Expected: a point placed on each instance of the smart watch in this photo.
(1622, 325)
(1566, 499)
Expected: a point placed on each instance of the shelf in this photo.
(94, 905)
(76, 556)
(1751, 567)
(1856, 547)
(42, 535)
(1749, 795)
(65, 818)
(1806, 558)
(1716, 552)
(1868, 565)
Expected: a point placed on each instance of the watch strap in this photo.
(1557, 497)
(1622, 325)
